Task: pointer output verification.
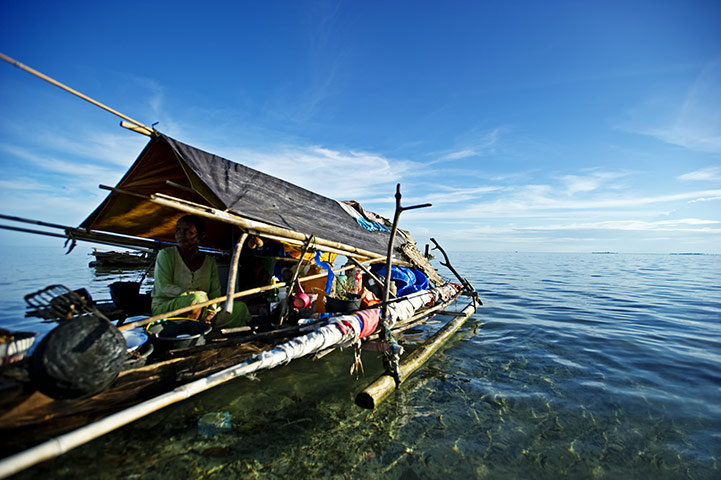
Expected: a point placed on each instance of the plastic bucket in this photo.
(127, 296)
(336, 305)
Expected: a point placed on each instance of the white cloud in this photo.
(336, 174)
(65, 207)
(72, 169)
(694, 122)
(709, 173)
(474, 144)
(588, 183)
(23, 184)
(541, 200)
(705, 199)
(449, 195)
(680, 225)
(625, 235)
(465, 153)
(575, 184)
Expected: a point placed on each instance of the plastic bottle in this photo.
(340, 284)
(214, 423)
(358, 281)
(273, 297)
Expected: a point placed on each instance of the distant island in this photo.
(605, 253)
(690, 253)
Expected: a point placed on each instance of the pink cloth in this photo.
(370, 319)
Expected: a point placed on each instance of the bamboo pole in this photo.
(285, 305)
(34, 222)
(248, 224)
(324, 248)
(234, 272)
(92, 237)
(256, 227)
(135, 128)
(139, 126)
(30, 230)
(84, 235)
(415, 319)
(379, 390)
(64, 443)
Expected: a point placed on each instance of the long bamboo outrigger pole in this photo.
(134, 124)
(73, 233)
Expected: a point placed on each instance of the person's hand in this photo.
(210, 317)
(255, 242)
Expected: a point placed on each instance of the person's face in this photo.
(186, 235)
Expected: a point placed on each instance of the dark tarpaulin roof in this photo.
(221, 184)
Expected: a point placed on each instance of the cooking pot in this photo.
(174, 333)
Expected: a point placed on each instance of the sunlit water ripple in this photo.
(577, 366)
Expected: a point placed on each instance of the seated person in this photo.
(185, 276)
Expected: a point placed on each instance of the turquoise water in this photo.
(577, 366)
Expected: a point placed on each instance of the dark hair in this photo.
(196, 221)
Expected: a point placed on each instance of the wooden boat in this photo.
(121, 259)
(170, 179)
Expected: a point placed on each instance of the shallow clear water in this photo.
(577, 366)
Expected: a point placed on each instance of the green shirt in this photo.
(173, 277)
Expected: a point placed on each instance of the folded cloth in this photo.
(370, 318)
(363, 221)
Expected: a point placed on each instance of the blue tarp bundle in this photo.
(408, 280)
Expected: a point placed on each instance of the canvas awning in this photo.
(170, 167)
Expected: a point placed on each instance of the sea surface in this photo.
(576, 366)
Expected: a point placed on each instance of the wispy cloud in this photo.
(679, 225)
(64, 206)
(588, 183)
(452, 195)
(709, 173)
(705, 199)
(541, 200)
(694, 122)
(23, 184)
(473, 144)
(69, 168)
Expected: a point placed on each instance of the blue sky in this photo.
(532, 126)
